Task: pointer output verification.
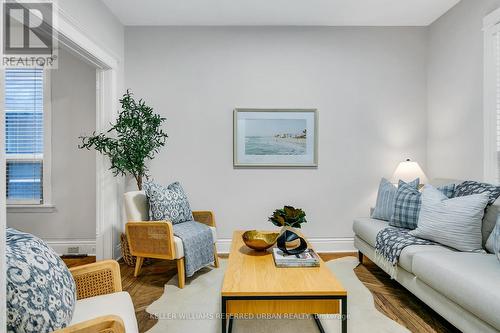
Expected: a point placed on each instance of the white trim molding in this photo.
(47, 138)
(72, 36)
(31, 208)
(65, 246)
(320, 245)
(491, 27)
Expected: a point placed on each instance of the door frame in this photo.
(107, 216)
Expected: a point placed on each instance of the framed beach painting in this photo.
(275, 138)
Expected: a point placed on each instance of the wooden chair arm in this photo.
(151, 239)
(104, 324)
(205, 216)
(96, 279)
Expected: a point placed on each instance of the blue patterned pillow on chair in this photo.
(408, 202)
(168, 203)
(41, 292)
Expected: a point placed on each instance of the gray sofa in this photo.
(462, 287)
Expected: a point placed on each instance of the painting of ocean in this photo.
(268, 145)
(275, 137)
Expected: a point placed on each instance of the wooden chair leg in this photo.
(138, 265)
(181, 272)
(216, 257)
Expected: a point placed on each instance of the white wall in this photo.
(369, 85)
(73, 170)
(455, 91)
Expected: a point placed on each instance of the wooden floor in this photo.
(390, 298)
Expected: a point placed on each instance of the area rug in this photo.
(196, 307)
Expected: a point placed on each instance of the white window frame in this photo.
(20, 206)
(491, 26)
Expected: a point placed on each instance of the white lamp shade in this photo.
(408, 171)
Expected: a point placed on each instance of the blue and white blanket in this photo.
(390, 243)
(198, 243)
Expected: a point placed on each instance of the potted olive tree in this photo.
(135, 138)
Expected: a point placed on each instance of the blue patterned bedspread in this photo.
(198, 243)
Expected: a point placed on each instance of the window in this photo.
(26, 148)
(492, 97)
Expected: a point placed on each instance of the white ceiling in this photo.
(280, 12)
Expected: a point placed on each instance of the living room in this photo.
(171, 129)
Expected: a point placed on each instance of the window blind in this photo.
(24, 135)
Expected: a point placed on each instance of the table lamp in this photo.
(408, 171)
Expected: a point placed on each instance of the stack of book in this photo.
(308, 258)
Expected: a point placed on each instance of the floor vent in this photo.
(73, 250)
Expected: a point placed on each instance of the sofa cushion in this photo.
(493, 243)
(41, 292)
(168, 203)
(386, 198)
(119, 304)
(490, 216)
(468, 279)
(409, 252)
(490, 220)
(472, 187)
(179, 247)
(453, 222)
(367, 229)
(408, 203)
(136, 206)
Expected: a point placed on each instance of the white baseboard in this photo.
(223, 245)
(63, 246)
(321, 245)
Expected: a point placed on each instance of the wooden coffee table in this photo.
(253, 285)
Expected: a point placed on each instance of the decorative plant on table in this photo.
(289, 218)
(136, 137)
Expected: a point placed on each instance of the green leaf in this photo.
(134, 138)
(288, 216)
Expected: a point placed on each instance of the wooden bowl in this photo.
(259, 240)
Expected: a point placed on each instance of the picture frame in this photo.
(275, 138)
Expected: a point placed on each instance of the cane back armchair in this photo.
(101, 306)
(156, 239)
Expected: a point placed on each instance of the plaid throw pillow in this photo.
(408, 202)
(386, 197)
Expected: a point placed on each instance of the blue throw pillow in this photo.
(386, 198)
(472, 187)
(407, 205)
(41, 292)
(168, 203)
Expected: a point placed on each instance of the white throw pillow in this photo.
(454, 222)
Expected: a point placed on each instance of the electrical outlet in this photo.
(73, 250)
